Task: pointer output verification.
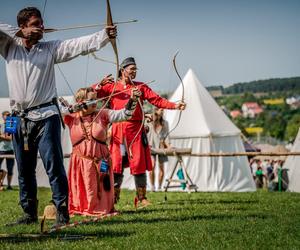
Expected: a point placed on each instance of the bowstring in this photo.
(142, 123)
(59, 69)
(44, 7)
(87, 70)
(113, 42)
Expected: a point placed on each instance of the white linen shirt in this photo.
(31, 74)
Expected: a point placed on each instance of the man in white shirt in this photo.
(32, 89)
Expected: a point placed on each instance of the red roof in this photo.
(257, 110)
(251, 105)
(235, 113)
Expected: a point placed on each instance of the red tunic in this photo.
(124, 132)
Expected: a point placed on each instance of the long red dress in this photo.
(86, 193)
(124, 132)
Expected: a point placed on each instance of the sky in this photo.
(223, 41)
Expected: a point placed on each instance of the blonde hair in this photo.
(5, 113)
(81, 94)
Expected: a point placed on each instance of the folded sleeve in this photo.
(119, 115)
(7, 35)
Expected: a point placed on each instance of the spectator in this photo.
(259, 180)
(254, 167)
(6, 148)
(270, 173)
(158, 138)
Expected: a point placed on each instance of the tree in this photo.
(292, 128)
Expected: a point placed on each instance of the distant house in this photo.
(294, 102)
(235, 113)
(251, 109)
(216, 93)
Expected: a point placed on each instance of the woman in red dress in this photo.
(90, 173)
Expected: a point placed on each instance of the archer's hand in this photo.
(107, 79)
(31, 33)
(146, 128)
(180, 106)
(135, 93)
(111, 31)
(64, 102)
(148, 118)
(78, 107)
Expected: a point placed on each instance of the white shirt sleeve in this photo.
(7, 34)
(71, 48)
(119, 115)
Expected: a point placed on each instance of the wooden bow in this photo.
(113, 41)
(182, 96)
(109, 22)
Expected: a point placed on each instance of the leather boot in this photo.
(2, 176)
(30, 214)
(62, 216)
(141, 199)
(117, 192)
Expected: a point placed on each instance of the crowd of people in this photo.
(268, 173)
(95, 175)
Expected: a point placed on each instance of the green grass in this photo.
(259, 220)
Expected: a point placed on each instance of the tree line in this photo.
(291, 84)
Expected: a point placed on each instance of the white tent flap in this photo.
(292, 163)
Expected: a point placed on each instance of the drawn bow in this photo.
(182, 96)
(109, 22)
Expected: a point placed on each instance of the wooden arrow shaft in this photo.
(49, 30)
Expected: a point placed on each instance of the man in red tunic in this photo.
(129, 146)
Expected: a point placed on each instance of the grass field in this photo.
(259, 220)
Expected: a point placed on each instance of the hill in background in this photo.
(291, 85)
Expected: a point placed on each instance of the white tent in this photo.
(42, 178)
(205, 128)
(292, 163)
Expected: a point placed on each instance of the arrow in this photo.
(49, 30)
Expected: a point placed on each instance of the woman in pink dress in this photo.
(90, 174)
